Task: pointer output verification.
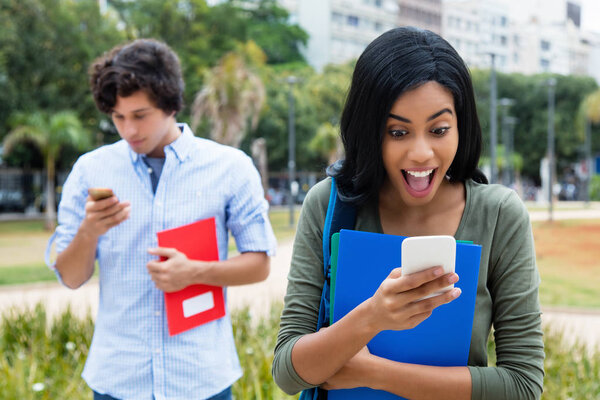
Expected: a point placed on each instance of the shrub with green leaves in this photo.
(595, 188)
(42, 359)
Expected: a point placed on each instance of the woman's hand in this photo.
(353, 374)
(397, 304)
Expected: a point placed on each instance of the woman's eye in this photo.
(397, 133)
(440, 131)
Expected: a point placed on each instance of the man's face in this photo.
(145, 127)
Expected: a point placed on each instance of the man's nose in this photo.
(129, 127)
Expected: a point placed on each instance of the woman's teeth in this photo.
(420, 174)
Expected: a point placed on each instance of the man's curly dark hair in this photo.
(144, 64)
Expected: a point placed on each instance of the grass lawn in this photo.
(23, 244)
(568, 255)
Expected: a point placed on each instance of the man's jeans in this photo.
(224, 395)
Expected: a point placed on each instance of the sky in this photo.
(590, 18)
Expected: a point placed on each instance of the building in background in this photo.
(426, 14)
(340, 30)
(477, 29)
(526, 36)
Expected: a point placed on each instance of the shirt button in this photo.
(149, 170)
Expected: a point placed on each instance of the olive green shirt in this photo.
(507, 292)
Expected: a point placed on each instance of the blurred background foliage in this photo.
(46, 47)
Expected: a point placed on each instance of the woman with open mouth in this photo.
(412, 144)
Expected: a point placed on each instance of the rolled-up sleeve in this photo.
(247, 210)
(71, 212)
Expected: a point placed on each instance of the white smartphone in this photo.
(423, 252)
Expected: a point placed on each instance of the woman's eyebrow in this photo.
(437, 114)
(432, 117)
(399, 118)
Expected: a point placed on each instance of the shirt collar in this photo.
(181, 147)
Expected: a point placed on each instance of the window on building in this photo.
(378, 3)
(352, 20)
(503, 40)
(545, 64)
(378, 27)
(337, 18)
(503, 20)
(545, 45)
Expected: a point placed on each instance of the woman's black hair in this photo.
(397, 61)
(144, 64)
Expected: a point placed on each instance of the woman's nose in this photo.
(421, 150)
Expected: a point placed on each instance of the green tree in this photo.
(50, 133)
(319, 99)
(268, 26)
(327, 142)
(45, 49)
(201, 35)
(591, 107)
(531, 110)
(186, 26)
(232, 97)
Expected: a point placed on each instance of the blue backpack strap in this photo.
(340, 215)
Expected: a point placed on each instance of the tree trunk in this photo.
(50, 223)
(259, 154)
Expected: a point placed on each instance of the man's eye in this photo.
(397, 133)
(139, 116)
(440, 131)
(117, 116)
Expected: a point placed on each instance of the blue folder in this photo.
(364, 260)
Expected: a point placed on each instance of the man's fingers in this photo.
(163, 252)
(153, 266)
(100, 205)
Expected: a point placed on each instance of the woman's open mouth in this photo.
(419, 181)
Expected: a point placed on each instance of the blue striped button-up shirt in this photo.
(132, 355)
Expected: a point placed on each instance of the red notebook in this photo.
(196, 304)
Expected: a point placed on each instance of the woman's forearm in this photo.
(420, 382)
(319, 355)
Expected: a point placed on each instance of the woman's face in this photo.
(420, 142)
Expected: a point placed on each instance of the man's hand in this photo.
(175, 273)
(103, 214)
(353, 374)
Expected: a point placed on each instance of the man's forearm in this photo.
(76, 262)
(243, 269)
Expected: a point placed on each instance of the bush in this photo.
(44, 361)
(595, 188)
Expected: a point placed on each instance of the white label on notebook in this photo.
(197, 304)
